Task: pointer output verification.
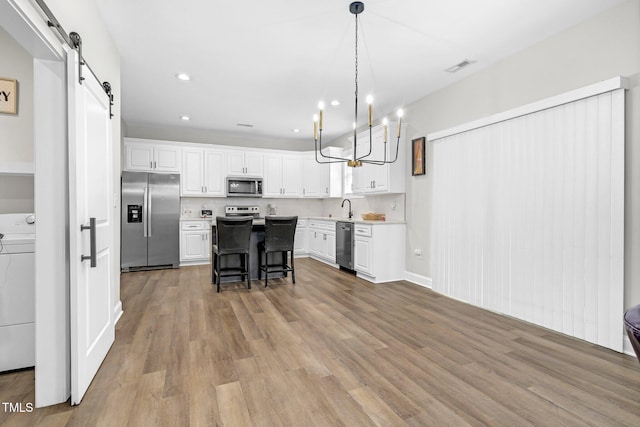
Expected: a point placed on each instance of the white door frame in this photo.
(26, 25)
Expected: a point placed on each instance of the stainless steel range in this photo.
(233, 210)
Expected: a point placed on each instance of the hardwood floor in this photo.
(332, 350)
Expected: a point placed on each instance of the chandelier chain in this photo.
(355, 122)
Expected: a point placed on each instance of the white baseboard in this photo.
(418, 279)
(195, 262)
(626, 347)
(117, 312)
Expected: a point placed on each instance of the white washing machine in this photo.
(17, 291)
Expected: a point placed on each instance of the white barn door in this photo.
(90, 201)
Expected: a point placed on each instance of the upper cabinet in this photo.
(386, 178)
(282, 175)
(321, 180)
(315, 177)
(203, 173)
(241, 164)
(147, 157)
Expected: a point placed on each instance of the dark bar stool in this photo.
(279, 232)
(632, 325)
(232, 238)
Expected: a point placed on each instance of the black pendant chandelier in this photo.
(357, 159)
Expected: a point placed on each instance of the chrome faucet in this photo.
(350, 211)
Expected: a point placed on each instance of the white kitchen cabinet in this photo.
(300, 239)
(379, 251)
(145, 157)
(195, 242)
(203, 173)
(282, 175)
(321, 180)
(245, 164)
(362, 248)
(315, 177)
(322, 240)
(386, 178)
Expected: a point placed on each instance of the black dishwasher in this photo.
(344, 244)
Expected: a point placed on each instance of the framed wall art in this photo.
(417, 156)
(8, 96)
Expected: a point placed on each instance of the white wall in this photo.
(16, 143)
(600, 48)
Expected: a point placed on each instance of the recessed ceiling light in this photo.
(184, 77)
(185, 118)
(335, 103)
(296, 130)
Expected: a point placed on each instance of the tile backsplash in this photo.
(392, 205)
(191, 206)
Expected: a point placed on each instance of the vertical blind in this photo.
(528, 217)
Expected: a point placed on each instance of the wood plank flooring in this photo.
(332, 350)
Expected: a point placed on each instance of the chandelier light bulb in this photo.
(369, 99)
(370, 102)
(400, 114)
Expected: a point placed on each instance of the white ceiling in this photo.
(268, 63)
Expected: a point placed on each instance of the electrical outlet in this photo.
(417, 253)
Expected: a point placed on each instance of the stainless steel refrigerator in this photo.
(150, 230)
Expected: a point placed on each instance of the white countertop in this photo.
(355, 220)
(322, 218)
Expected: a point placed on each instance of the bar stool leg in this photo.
(218, 273)
(284, 263)
(248, 266)
(266, 267)
(293, 270)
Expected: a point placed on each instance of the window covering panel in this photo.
(528, 217)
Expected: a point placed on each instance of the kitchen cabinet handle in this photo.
(155, 164)
(92, 242)
(150, 164)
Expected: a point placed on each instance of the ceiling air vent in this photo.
(244, 125)
(459, 66)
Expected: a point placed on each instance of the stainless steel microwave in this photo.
(244, 187)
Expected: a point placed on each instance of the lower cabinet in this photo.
(362, 254)
(300, 240)
(322, 240)
(379, 251)
(195, 242)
